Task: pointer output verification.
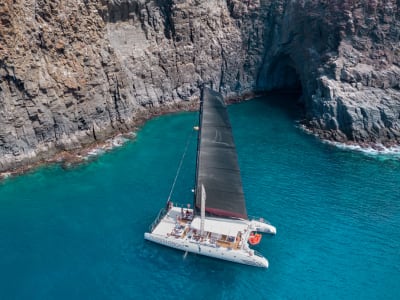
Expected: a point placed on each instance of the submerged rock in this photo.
(77, 72)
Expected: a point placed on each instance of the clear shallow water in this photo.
(78, 233)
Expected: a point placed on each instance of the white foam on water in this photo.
(377, 150)
(110, 144)
(5, 175)
(96, 151)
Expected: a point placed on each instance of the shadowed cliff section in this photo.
(76, 72)
(282, 75)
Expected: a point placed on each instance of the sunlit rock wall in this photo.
(73, 72)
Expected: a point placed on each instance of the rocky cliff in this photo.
(73, 72)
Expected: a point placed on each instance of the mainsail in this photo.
(217, 166)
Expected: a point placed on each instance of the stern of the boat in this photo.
(261, 225)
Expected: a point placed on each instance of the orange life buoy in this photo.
(255, 239)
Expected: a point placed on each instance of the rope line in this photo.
(180, 165)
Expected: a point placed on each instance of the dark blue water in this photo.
(78, 233)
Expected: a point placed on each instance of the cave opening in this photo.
(282, 75)
(284, 86)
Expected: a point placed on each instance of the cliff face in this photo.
(73, 72)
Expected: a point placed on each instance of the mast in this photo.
(198, 149)
(203, 209)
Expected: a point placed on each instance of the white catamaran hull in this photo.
(237, 256)
(219, 226)
(262, 226)
(222, 238)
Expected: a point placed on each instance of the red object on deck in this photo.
(255, 239)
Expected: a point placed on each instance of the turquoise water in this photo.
(78, 233)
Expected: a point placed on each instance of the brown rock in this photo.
(100, 66)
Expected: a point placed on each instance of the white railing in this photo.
(160, 215)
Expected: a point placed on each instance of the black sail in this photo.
(217, 165)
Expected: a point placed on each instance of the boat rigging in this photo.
(218, 225)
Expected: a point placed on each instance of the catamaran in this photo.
(218, 225)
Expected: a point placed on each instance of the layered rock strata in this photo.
(76, 72)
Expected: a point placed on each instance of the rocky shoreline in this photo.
(75, 73)
(70, 158)
(387, 147)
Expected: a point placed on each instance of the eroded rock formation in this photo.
(77, 71)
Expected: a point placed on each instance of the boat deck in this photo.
(222, 238)
(181, 224)
(173, 223)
